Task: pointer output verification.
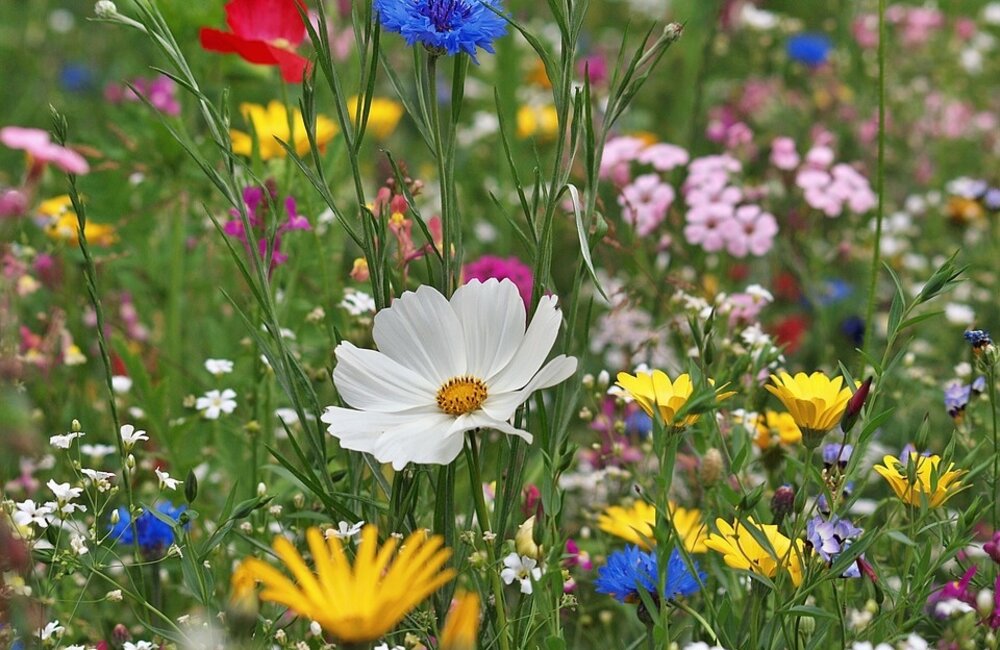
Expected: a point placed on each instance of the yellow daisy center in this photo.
(461, 395)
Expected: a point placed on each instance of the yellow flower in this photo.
(461, 626)
(815, 402)
(928, 481)
(537, 121)
(656, 389)
(740, 550)
(272, 122)
(962, 210)
(64, 226)
(383, 115)
(635, 524)
(358, 603)
(782, 424)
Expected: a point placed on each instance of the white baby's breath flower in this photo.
(522, 568)
(219, 366)
(105, 9)
(345, 530)
(28, 513)
(64, 491)
(358, 303)
(65, 440)
(97, 452)
(130, 435)
(79, 545)
(443, 368)
(121, 384)
(51, 630)
(166, 481)
(214, 403)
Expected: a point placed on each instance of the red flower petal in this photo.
(266, 20)
(292, 65)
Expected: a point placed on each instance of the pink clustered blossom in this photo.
(915, 25)
(621, 152)
(40, 147)
(716, 219)
(258, 209)
(832, 188)
(160, 91)
(645, 202)
(509, 268)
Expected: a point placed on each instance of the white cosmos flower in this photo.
(443, 368)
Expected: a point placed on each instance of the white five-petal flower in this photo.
(29, 513)
(522, 568)
(130, 435)
(64, 491)
(64, 441)
(214, 403)
(166, 481)
(219, 366)
(443, 368)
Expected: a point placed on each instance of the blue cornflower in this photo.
(830, 537)
(75, 77)
(154, 535)
(978, 339)
(853, 327)
(444, 26)
(810, 49)
(630, 569)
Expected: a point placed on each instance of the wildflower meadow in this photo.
(500, 325)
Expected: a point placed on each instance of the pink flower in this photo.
(510, 268)
(13, 203)
(820, 157)
(706, 225)
(41, 148)
(750, 231)
(663, 156)
(618, 154)
(783, 154)
(645, 203)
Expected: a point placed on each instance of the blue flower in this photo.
(853, 327)
(155, 536)
(638, 423)
(810, 49)
(837, 454)
(978, 339)
(956, 398)
(631, 569)
(444, 26)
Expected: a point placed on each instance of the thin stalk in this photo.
(483, 514)
(447, 216)
(879, 184)
(991, 378)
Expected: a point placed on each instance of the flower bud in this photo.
(586, 414)
(603, 379)
(75, 426)
(105, 9)
(854, 405)
(261, 489)
(191, 487)
(783, 502)
(120, 634)
(524, 540)
(115, 517)
(711, 467)
(587, 381)
(992, 547)
(807, 625)
(984, 603)
(130, 462)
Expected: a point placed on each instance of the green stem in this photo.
(475, 476)
(447, 226)
(879, 183)
(991, 379)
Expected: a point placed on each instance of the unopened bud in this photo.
(992, 547)
(299, 500)
(75, 426)
(115, 596)
(586, 414)
(191, 487)
(603, 379)
(783, 502)
(130, 462)
(524, 540)
(115, 517)
(105, 9)
(121, 634)
(587, 381)
(711, 467)
(854, 405)
(984, 603)
(807, 625)
(261, 489)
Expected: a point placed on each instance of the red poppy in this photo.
(790, 331)
(263, 32)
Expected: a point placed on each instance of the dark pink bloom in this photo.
(511, 268)
(258, 213)
(40, 147)
(160, 91)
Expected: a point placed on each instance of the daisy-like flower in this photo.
(780, 424)
(656, 391)
(740, 549)
(461, 626)
(166, 481)
(219, 366)
(359, 603)
(928, 481)
(29, 513)
(214, 403)
(635, 524)
(444, 26)
(130, 435)
(522, 568)
(271, 122)
(345, 530)
(631, 569)
(815, 402)
(444, 368)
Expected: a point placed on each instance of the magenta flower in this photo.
(258, 212)
(160, 91)
(645, 203)
(511, 268)
(40, 148)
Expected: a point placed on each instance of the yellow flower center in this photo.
(461, 395)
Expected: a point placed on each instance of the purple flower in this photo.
(258, 212)
(956, 398)
(510, 268)
(956, 590)
(837, 454)
(830, 537)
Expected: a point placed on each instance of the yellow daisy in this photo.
(541, 122)
(777, 424)
(655, 389)
(64, 226)
(929, 480)
(461, 626)
(635, 524)
(358, 603)
(272, 122)
(383, 116)
(740, 549)
(815, 402)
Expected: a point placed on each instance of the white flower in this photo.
(951, 607)
(130, 435)
(78, 544)
(63, 491)
(138, 645)
(914, 642)
(121, 384)
(521, 568)
(444, 368)
(97, 451)
(214, 403)
(105, 9)
(115, 596)
(701, 645)
(29, 513)
(219, 366)
(991, 13)
(357, 303)
(385, 646)
(759, 294)
(166, 481)
(959, 314)
(63, 441)
(102, 480)
(50, 630)
(345, 530)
